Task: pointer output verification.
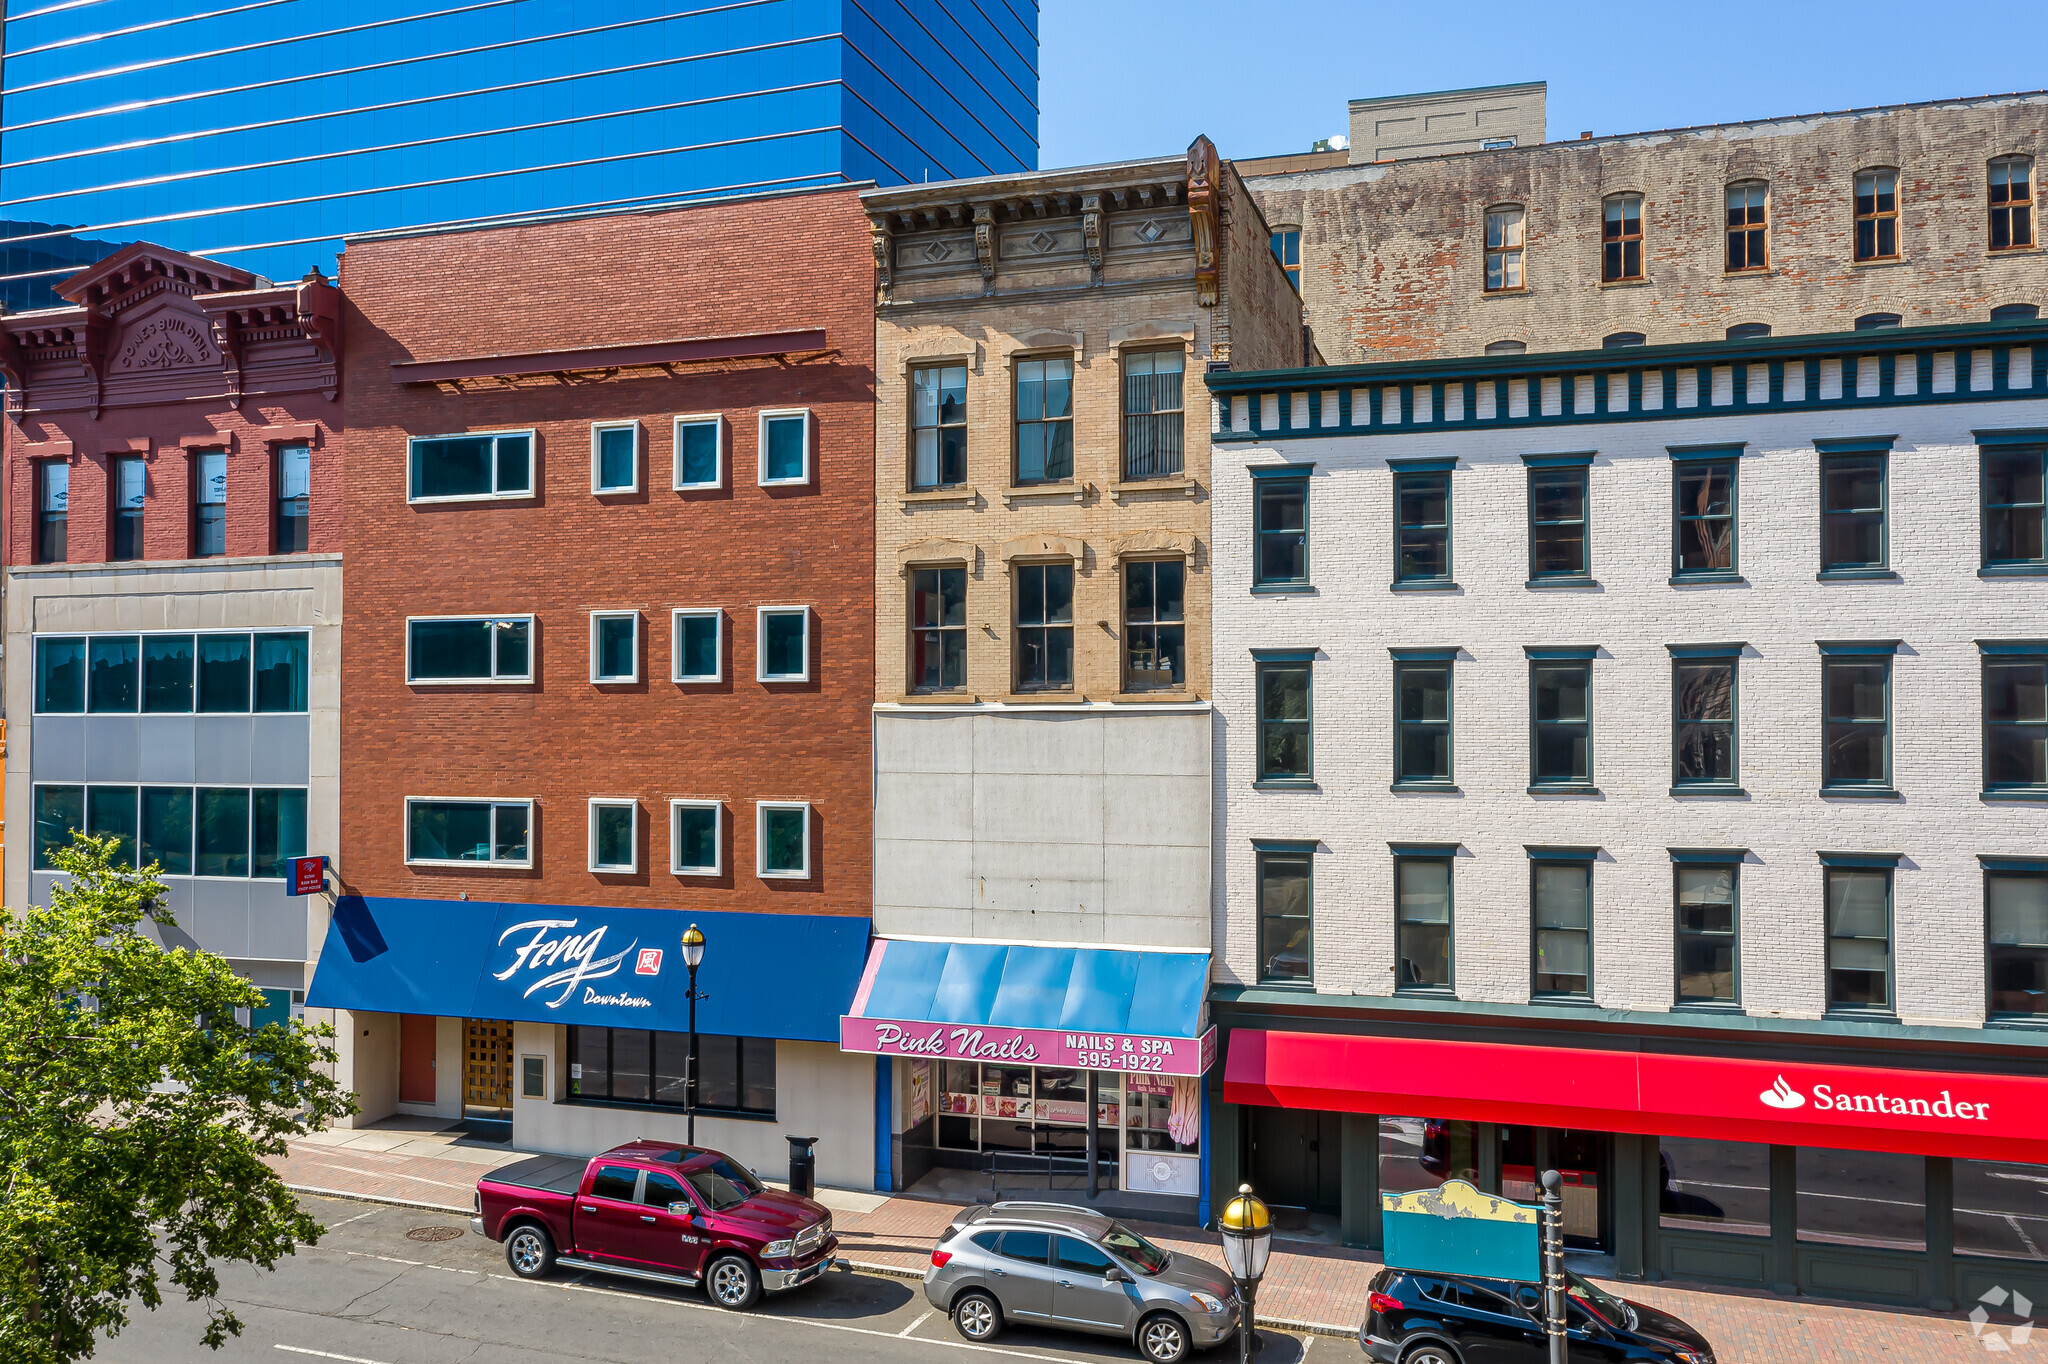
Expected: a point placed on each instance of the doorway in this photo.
(1296, 1158)
(416, 1039)
(1584, 1159)
(487, 1070)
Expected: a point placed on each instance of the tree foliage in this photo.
(134, 1115)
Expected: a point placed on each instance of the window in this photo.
(1703, 521)
(1877, 215)
(468, 832)
(1422, 922)
(1859, 937)
(1706, 906)
(782, 834)
(1558, 547)
(1621, 238)
(614, 646)
(1045, 626)
(696, 840)
(1561, 901)
(209, 506)
(2016, 937)
(1997, 1210)
(1285, 737)
(938, 426)
(293, 532)
(1872, 322)
(468, 467)
(277, 830)
(2012, 203)
(1422, 524)
(53, 509)
(166, 820)
(615, 457)
(2016, 718)
(2015, 509)
(1748, 226)
(1045, 420)
(112, 670)
(1623, 340)
(264, 673)
(1703, 733)
(699, 644)
(1749, 331)
(1286, 936)
(131, 485)
(1286, 243)
(1152, 413)
(1503, 248)
(1282, 514)
(223, 674)
(622, 1065)
(2016, 312)
(699, 452)
(1852, 512)
(938, 629)
(169, 664)
(469, 649)
(234, 832)
(110, 813)
(60, 675)
(783, 643)
(785, 447)
(1507, 347)
(1713, 1185)
(1561, 718)
(1422, 717)
(1829, 1188)
(1856, 687)
(614, 835)
(1155, 632)
(60, 810)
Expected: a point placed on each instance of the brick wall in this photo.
(1392, 255)
(733, 268)
(1265, 311)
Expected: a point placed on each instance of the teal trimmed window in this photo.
(1286, 892)
(1703, 522)
(2016, 937)
(1561, 922)
(1422, 524)
(1280, 528)
(2015, 502)
(1560, 521)
(1859, 931)
(1706, 891)
(1423, 745)
(1856, 715)
(2015, 718)
(1855, 533)
(1424, 959)
(1286, 744)
(1286, 245)
(1704, 702)
(1561, 719)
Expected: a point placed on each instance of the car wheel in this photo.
(1429, 1353)
(733, 1282)
(1163, 1338)
(977, 1316)
(530, 1251)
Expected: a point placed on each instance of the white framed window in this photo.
(614, 646)
(471, 466)
(782, 840)
(785, 448)
(452, 832)
(614, 834)
(700, 451)
(446, 650)
(614, 457)
(697, 652)
(783, 644)
(696, 836)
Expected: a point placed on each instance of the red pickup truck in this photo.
(651, 1210)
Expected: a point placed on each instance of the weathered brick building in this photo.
(1395, 257)
(607, 672)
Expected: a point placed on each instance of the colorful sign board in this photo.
(1029, 1046)
(1456, 1229)
(305, 875)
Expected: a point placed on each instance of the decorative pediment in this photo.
(139, 271)
(168, 338)
(1132, 544)
(1043, 547)
(937, 549)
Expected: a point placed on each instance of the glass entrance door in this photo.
(1581, 1157)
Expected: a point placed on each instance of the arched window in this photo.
(2016, 312)
(1286, 242)
(1749, 331)
(2012, 203)
(1749, 226)
(1617, 340)
(1877, 214)
(1871, 322)
(1506, 347)
(1504, 228)
(1621, 238)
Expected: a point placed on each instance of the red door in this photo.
(416, 1058)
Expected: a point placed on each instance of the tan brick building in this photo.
(1908, 213)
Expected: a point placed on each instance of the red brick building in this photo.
(611, 630)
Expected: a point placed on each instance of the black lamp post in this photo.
(693, 956)
(1553, 1265)
(1247, 1228)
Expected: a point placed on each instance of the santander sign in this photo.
(1829, 1099)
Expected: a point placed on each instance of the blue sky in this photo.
(1127, 78)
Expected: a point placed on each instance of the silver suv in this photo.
(1053, 1265)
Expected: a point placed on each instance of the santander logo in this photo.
(1782, 1095)
(1828, 1099)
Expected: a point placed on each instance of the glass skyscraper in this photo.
(261, 132)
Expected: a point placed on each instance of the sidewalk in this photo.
(1307, 1287)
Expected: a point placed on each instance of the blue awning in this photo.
(1064, 989)
(765, 975)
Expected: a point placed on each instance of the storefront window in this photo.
(1863, 1198)
(1038, 1115)
(1714, 1186)
(1421, 1153)
(2001, 1209)
(631, 1065)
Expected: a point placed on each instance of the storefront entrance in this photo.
(1296, 1158)
(487, 1070)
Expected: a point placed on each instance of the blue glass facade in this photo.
(262, 132)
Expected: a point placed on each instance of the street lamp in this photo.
(1247, 1227)
(693, 956)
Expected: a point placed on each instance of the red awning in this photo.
(1858, 1108)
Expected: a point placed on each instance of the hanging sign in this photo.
(305, 875)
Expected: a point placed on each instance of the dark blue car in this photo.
(1448, 1319)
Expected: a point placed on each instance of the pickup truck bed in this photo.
(555, 1174)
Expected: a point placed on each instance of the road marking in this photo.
(1306, 1341)
(357, 1218)
(915, 1324)
(387, 1259)
(324, 1354)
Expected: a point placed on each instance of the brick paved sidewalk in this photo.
(1307, 1286)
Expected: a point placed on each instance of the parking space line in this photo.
(387, 1259)
(915, 1324)
(325, 1354)
(357, 1218)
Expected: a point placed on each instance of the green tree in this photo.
(134, 1115)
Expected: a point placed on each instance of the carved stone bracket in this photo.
(227, 338)
(14, 366)
(317, 305)
(90, 338)
(1205, 177)
(1091, 234)
(885, 253)
(985, 245)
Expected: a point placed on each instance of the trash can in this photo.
(803, 1166)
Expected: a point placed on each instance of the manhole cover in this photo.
(433, 1233)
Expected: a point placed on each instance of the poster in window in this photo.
(920, 1091)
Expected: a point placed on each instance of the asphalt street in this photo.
(371, 1293)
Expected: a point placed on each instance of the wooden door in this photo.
(416, 1034)
(487, 1065)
